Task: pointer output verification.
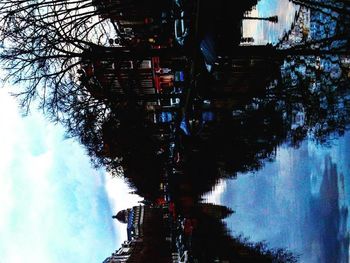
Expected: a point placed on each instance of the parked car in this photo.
(181, 29)
(182, 20)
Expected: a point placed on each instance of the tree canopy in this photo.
(43, 43)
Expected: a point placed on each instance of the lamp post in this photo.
(273, 19)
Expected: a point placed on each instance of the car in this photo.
(184, 258)
(181, 29)
(182, 11)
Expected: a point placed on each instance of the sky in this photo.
(265, 32)
(54, 206)
(300, 201)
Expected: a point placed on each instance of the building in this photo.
(123, 254)
(155, 82)
(134, 218)
(146, 236)
(138, 21)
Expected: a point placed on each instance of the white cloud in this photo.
(54, 207)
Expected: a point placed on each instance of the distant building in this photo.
(146, 236)
(154, 82)
(123, 254)
(138, 20)
(134, 218)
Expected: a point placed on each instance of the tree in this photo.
(340, 7)
(316, 88)
(212, 241)
(43, 43)
(327, 30)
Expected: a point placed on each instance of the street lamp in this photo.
(273, 19)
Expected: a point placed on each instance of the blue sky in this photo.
(54, 205)
(264, 32)
(299, 201)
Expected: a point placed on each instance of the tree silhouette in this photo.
(43, 44)
(315, 88)
(327, 28)
(341, 7)
(211, 241)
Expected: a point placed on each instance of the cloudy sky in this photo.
(54, 206)
(265, 32)
(300, 201)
